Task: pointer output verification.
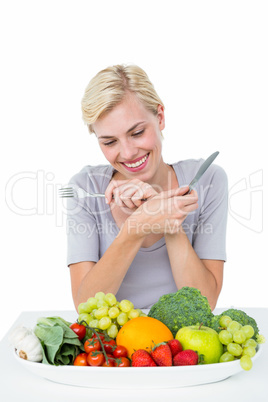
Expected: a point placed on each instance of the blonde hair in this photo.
(108, 88)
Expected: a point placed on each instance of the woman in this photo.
(148, 237)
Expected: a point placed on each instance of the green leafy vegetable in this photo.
(59, 342)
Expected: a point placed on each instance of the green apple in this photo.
(205, 341)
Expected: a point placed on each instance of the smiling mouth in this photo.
(138, 163)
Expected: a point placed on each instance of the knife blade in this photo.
(202, 170)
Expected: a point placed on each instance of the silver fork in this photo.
(78, 192)
(65, 192)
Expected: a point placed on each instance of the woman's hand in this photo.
(163, 213)
(129, 193)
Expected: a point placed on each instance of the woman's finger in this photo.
(127, 200)
(190, 198)
(110, 189)
(181, 190)
(131, 192)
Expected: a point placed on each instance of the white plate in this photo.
(135, 377)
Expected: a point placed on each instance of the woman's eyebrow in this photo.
(133, 127)
(128, 131)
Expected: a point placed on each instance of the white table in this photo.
(17, 384)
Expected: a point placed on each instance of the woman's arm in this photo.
(160, 214)
(189, 270)
(107, 274)
(201, 265)
(89, 277)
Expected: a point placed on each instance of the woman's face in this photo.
(130, 139)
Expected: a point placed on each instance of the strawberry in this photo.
(175, 346)
(185, 358)
(141, 358)
(161, 354)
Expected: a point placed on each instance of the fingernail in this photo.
(106, 200)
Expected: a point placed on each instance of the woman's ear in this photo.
(161, 116)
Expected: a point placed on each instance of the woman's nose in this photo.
(127, 151)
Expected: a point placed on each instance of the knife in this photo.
(202, 170)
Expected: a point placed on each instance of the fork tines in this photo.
(66, 192)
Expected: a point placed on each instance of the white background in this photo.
(208, 61)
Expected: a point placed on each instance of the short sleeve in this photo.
(82, 233)
(209, 238)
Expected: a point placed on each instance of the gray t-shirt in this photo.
(91, 229)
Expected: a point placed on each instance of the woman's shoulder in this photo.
(90, 173)
(188, 168)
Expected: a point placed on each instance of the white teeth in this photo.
(132, 165)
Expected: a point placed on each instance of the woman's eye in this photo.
(138, 133)
(112, 142)
(109, 143)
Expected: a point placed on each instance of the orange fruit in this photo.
(142, 333)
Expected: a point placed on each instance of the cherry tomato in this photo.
(81, 360)
(123, 362)
(95, 358)
(111, 361)
(80, 330)
(102, 336)
(91, 345)
(109, 346)
(120, 351)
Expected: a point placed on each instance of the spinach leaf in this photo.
(59, 342)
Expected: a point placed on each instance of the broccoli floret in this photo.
(236, 315)
(183, 308)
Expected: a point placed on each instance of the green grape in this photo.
(82, 308)
(250, 342)
(239, 336)
(100, 295)
(249, 351)
(226, 357)
(143, 315)
(85, 317)
(101, 312)
(125, 306)
(122, 319)
(225, 337)
(94, 323)
(113, 312)
(104, 323)
(91, 304)
(112, 331)
(140, 311)
(233, 326)
(102, 303)
(133, 314)
(234, 349)
(246, 363)
(225, 321)
(248, 331)
(110, 299)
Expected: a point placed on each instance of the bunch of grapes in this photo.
(237, 341)
(104, 312)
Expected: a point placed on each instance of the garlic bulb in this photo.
(18, 334)
(29, 348)
(27, 344)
